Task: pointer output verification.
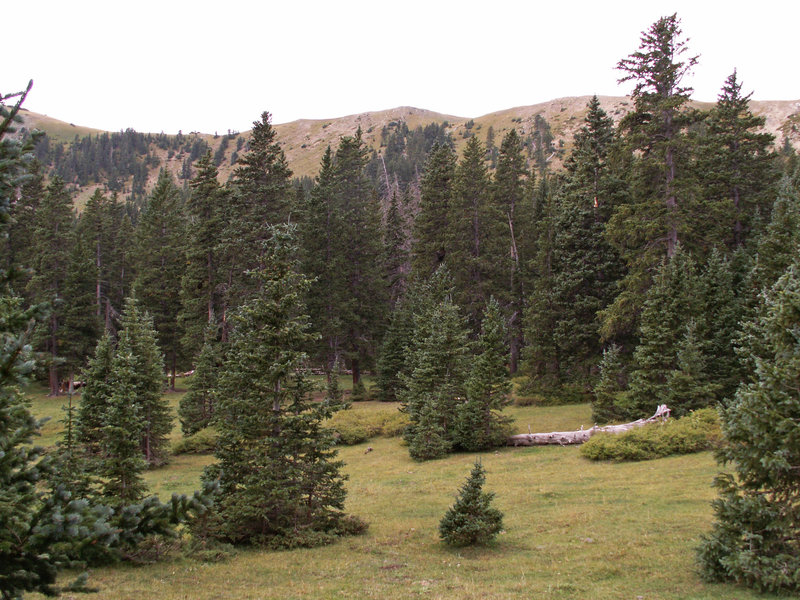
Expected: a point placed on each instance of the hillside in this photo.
(304, 141)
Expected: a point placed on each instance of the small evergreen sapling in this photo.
(471, 520)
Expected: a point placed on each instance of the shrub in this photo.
(355, 426)
(695, 432)
(471, 520)
(202, 442)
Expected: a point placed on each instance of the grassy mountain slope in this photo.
(304, 141)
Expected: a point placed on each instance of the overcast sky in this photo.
(174, 65)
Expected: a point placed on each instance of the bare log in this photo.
(564, 438)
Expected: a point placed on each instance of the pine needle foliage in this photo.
(472, 520)
(280, 483)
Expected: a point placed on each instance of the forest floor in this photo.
(573, 528)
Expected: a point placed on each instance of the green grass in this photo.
(574, 529)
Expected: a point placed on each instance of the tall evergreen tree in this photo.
(509, 197)
(348, 298)
(201, 301)
(433, 219)
(663, 209)
(671, 302)
(53, 234)
(757, 516)
(606, 402)
(474, 234)
(260, 196)
(197, 406)
(280, 482)
(586, 269)
(436, 369)
(95, 396)
(143, 367)
(42, 527)
(479, 424)
(161, 264)
(736, 167)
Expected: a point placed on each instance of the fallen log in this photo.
(564, 438)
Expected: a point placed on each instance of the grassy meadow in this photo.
(573, 528)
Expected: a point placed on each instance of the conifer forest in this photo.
(656, 263)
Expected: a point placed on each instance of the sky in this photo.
(173, 65)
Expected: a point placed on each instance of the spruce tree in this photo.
(432, 222)
(586, 268)
(662, 211)
(757, 516)
(670, 303)
(736, 167)
(196, 409)
(121, 462)
(606, 404)
(280, 483)
(472, 520)
(160, 265)
(95, 396)
(479, 424)
(144, 373)
(689, 386)
(436, 370)
(43, 528)
(474, 235)
(53, 236)
(509, 197)
(201, 301)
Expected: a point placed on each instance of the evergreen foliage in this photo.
(160, 265)
(196, 409)
(52, 243)
(670, 303)
(95, 396)
(280, 482)
(139, 367)
(432, 221)
(472, 520)
(610, 385)
(436, 369)
(757, 516)
(479, 425)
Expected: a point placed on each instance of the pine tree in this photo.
(479, 424)
(280, 483)
(144, 371)
(475, 235)
(197, 406)
(670, 303)
(663, 211)
(392, 355)
(42, 527)
(721, 305)
(610, 385)
(471, 520)
(436, 370)
(508, 196)
(432, 222)
(201, 301)
(754, 537)
(260, 194)
(736, 167)
(53, 235)
(161, 264)
(586, 269)
(121, 462)
(689, 386)
(95, 396)
(395, 253)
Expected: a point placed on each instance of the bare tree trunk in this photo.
(564, 438)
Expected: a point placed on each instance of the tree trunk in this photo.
(564, 438)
